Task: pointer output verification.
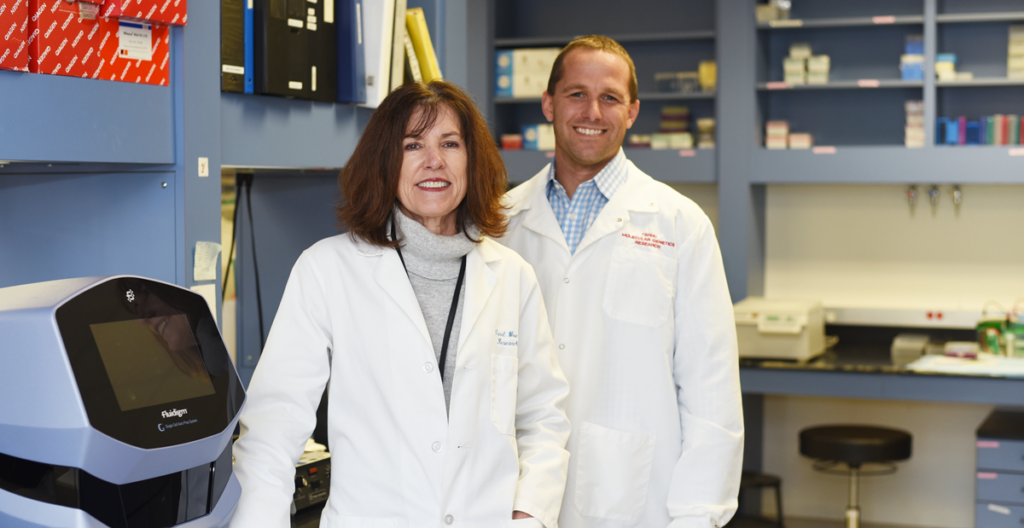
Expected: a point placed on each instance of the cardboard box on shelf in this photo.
(129, 61)
(64, 42)
(169, 12)
(800, 140)
(14, 27)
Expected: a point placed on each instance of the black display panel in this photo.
(150, 364)
(152, 361)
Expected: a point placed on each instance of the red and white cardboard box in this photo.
(14, 28)
(60, 40)
(63, 42)
(141, 53)
(170, 12)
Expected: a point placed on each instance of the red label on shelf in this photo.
(1017, 152)
(988, 444)
(988, 476)
(687, 153)
(868, 83)
(883, 19)
(824, 150)
(777, 85)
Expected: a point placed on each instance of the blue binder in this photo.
(247, 21)
(351, 62)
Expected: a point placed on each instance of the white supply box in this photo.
(779, 329)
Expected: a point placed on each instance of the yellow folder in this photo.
(416, 24)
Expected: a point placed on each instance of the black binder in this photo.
(321, 26)
(232, 46)
(281, 48)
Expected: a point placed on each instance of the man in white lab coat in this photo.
(632, 276)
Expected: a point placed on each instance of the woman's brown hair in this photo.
(369, 181)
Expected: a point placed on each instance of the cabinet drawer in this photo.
(1000, 487)
(988, 515)
(1001, 455)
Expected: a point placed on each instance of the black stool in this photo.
(854, 445)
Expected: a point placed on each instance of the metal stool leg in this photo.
(853, 509)
(778, 503)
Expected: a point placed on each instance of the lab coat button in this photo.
(428, 367)
(437, 447)
(561, 346)
(448, 519)
(567, 280)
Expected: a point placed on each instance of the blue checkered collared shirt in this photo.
(575, 216)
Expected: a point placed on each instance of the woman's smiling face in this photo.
(432, 182)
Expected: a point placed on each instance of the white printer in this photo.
(779, 329)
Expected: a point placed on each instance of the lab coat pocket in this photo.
(504, 382)
(639, 287)
(613, 469)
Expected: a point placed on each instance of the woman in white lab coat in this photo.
(446, 401)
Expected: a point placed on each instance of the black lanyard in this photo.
(451, 311)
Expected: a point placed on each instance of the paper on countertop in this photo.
(209, 293)
(985, 365)
(205, 265)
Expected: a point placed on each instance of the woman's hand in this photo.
(520, 515)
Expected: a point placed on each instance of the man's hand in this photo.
(521, 515)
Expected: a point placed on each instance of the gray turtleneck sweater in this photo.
(433, 263)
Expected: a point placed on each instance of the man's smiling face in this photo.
(590, 108)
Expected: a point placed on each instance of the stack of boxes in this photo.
(776, 135)
(800, 140)
(1015, 53)
(674, 131)
(817, 69)
(706, 133)
(523, 72)
(801, 67)
(81, 38)
(914, 131)
(794, 67)
(912, 60)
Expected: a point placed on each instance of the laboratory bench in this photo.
(859, 366)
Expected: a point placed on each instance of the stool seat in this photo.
(855, 444)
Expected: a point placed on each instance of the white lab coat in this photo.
(349, 314)
(644, 325)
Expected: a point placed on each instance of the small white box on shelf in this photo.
(800, 50)
(800, 140)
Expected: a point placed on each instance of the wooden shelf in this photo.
(902, 20)
(669, 166)
(630, 38)
(860, 84)
(891, 164)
